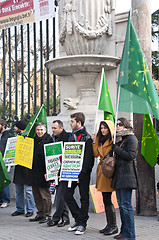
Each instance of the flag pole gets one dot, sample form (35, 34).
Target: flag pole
(35, 120)
(100, 87)
(116, 114)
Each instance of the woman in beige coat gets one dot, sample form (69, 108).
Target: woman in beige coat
(102, 145)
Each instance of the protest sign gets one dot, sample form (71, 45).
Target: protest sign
(9, 154)
(72, 160)
(97, 199)
(19, 12)
(24, 151)
(53, 155)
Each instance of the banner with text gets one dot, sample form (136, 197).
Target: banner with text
(24, 151)
(19, 12)
(72, 160)
(53, 157)
(9, 154)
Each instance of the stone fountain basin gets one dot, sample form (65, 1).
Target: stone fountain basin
(68, 65)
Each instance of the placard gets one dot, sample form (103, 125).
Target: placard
(19, 12)
(97, 199)
(9, 154)
(53, 157)
(24, 151)
(72, 160)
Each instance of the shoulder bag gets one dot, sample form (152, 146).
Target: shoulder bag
(108, 164)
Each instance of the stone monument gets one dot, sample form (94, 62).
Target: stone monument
(87, 44)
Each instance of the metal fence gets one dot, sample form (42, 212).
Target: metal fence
(25, 84)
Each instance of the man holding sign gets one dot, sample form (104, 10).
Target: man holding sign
(79, 134)
(59, 134)
(40, 186)
(22, 180)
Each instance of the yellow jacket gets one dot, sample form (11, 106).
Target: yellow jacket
(103, 183)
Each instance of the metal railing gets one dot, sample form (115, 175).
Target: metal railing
(25, 84)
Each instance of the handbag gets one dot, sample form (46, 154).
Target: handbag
(108, 165)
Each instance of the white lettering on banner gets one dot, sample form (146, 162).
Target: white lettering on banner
(4, 10)
(21, 6)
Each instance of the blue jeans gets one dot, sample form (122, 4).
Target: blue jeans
(5, 195)
(20, 199)
(126, 213)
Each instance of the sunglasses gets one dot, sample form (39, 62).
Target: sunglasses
(120, 124)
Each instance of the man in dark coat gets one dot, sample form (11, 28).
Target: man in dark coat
(5, 134)
(22, 177)
(39, 184)
(80, 214)
(62, 212)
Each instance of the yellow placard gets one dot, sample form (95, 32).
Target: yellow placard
(24, 151)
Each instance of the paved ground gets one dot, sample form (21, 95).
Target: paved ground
(19, 227)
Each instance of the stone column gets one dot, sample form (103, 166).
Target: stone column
(141, 18)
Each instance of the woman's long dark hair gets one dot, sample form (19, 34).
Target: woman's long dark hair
(100, 135)
(125, 122)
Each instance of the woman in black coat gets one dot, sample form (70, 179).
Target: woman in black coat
(125, 176)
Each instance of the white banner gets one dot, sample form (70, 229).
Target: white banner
(19, 12)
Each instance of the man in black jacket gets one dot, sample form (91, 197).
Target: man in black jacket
(62, 212)
(5, 134)
(79, 134)
(22, 177)
(39, 184)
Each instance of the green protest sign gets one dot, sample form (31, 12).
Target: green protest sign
(53, 157)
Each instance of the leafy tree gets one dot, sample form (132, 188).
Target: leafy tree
(155, 64)
(155, 36)
(155, 23)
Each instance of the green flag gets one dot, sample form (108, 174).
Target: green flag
(40, 116)
(137, 90)
(4, 176)
(150, 142)
(105, 103)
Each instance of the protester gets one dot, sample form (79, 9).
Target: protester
(40, 186)
(102, 144)
(80, 214)
(125, 176)
(22, 180)
(62, 212)
(5, 134)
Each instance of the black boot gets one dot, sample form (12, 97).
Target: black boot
(106, 227)
(111, 219)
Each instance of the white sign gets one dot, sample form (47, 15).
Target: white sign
(72, 160)
(44, 9)
(53, 158)
(9, 154)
